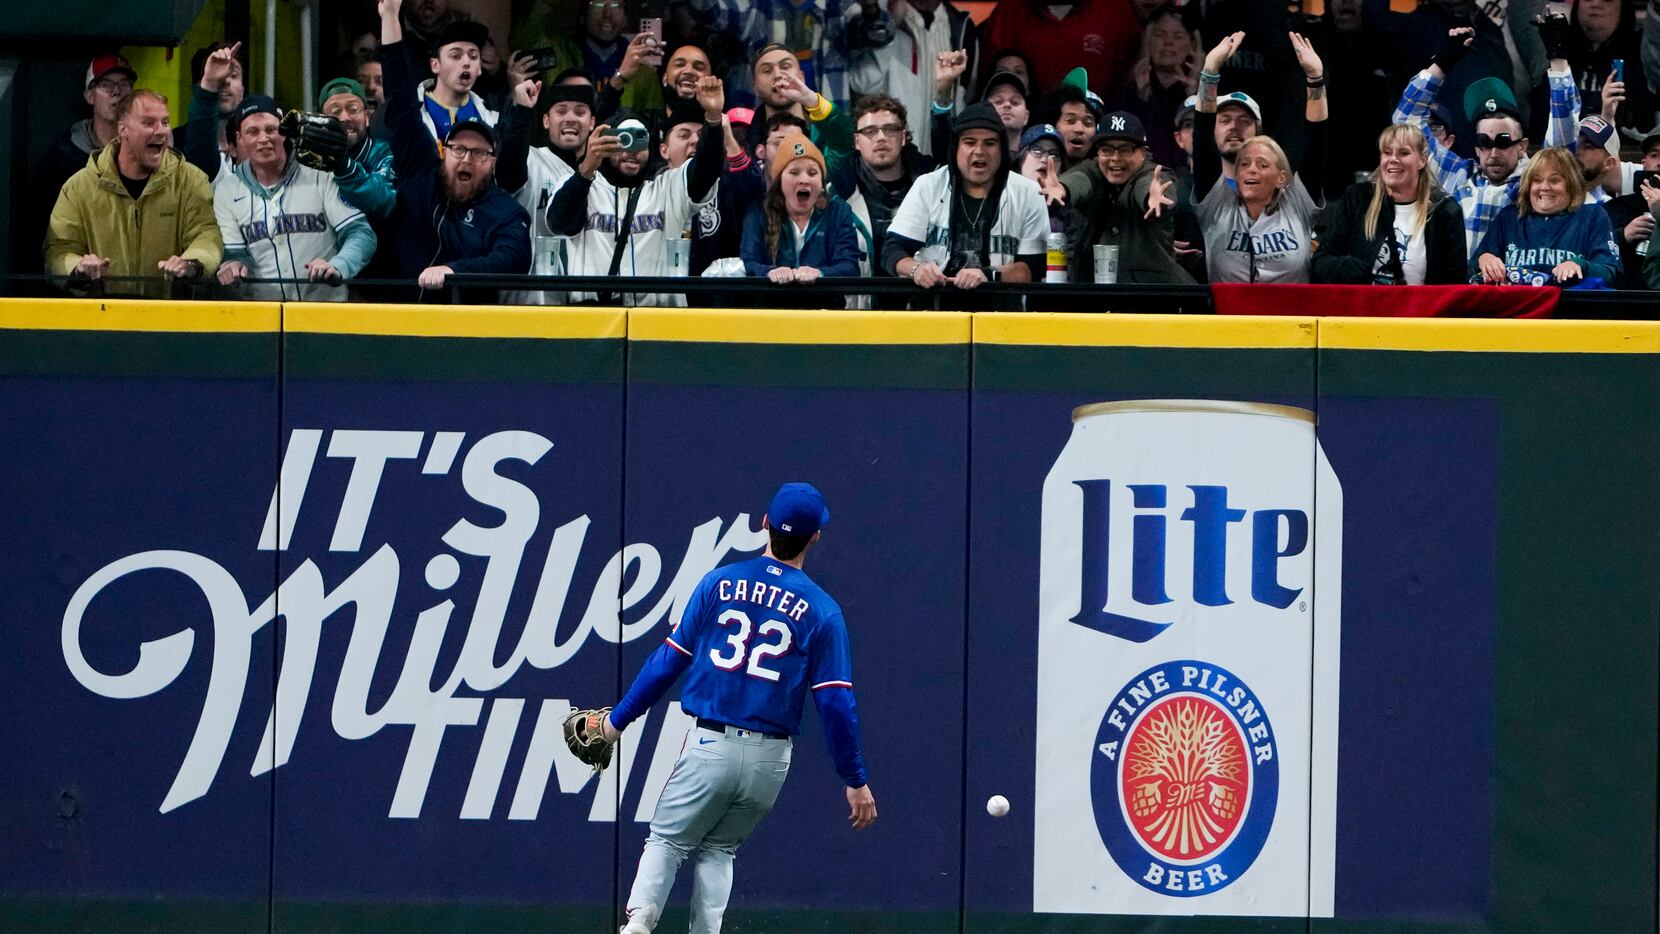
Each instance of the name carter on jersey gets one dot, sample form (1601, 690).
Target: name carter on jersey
(770, 596)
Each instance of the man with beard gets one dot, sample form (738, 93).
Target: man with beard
(1126, 200)
(448, 97)
(361, 165)
(682, 69)
(283, 220)
(533, 173)
(1487, 184)
(621, 208)
(214, 98)
(623, 65)
(136, 208)
(781, 88)
(972, 220)
(818, 36)
(875, 184)
(450, 215)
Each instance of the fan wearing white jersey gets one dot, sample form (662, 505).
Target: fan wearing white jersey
(283, 220)
(618, 205)
(533, 173)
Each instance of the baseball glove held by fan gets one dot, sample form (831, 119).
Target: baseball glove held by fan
(585, 735)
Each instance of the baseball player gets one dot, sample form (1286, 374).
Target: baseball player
(755, 637)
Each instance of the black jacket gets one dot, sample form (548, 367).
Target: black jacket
(1346, 255)
(490, 234)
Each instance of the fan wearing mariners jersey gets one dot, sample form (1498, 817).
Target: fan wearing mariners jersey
(533, 173)
(754, 639)
(282, 220)
(620, 208)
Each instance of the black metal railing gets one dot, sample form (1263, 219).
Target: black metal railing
(739, 292)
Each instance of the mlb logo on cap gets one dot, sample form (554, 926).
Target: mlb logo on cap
(798, 509)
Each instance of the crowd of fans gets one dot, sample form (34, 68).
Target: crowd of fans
(1127, 141)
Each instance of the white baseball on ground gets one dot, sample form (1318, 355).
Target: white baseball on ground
(997, 805)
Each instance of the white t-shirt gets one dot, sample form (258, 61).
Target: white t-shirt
(1277, 244)
(283, 228)
(1022, 225)
(1410, 246)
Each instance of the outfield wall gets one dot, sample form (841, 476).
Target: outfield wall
(1260, 624)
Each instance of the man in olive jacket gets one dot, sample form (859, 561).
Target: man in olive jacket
(136, 209)
(1124, 197)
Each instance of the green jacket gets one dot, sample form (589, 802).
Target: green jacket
(1114, 215)
(642, 93)
(173, 216)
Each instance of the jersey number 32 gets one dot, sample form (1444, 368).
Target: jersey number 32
(738, 644)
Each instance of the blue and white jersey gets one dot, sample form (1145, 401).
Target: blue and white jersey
(759, 635)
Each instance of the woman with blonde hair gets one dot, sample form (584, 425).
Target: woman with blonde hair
(1258, 223)
(1548, 239)
(1396, 228)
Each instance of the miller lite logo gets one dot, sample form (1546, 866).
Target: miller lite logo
(1275, 534)
(1187, 659)
(1186, 778)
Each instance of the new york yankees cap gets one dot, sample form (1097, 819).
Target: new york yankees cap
(1122, 125)
(798, 509)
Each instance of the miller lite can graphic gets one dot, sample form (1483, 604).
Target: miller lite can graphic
(1188, 647)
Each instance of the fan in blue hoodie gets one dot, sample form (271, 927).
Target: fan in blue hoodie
(798, 233)
(1553, 236)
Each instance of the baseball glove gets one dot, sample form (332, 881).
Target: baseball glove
(585, 734)
(319, 140)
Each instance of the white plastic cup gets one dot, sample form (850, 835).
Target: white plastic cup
(1106, 264)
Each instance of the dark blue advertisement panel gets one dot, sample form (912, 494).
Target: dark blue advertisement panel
(138, 467)
(722, 409)
(449, 542)
(1144, 561)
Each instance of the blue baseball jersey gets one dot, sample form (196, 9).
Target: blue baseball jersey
(759, 634)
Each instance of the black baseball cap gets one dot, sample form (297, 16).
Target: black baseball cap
(1005, 77)
(1121, 124)
(475, 126)
(252, 104)
(683, 111)
(464, 30)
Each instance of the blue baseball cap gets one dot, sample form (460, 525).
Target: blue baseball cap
(798, 509)
(1041, 131)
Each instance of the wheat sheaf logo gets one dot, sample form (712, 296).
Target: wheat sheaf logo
(1185, 778)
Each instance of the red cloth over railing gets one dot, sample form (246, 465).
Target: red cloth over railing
(1376, 301)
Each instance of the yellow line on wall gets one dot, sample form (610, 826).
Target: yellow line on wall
(77, 314)
(761, 326)
(1477, 335)
(1116, 330)
(455, 321)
